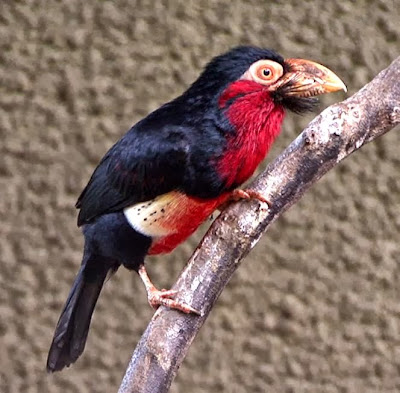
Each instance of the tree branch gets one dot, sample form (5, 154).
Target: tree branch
(329, 138)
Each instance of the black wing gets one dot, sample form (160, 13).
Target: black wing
(141, 165)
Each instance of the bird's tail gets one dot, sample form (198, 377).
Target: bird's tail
(73, 326)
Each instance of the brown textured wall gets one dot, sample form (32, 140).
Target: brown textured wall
(316, 308)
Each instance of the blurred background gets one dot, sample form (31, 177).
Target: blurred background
(316, 305)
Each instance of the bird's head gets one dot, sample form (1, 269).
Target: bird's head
(290, 83)
(245, 92)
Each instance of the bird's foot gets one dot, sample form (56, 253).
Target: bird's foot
(239, 194)
(163, 297)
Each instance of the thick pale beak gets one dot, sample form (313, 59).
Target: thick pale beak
(305, 78)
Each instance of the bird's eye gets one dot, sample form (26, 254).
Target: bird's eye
(265, 72)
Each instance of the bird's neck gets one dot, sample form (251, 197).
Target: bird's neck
(256, 120)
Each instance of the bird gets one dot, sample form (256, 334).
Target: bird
(174, 168)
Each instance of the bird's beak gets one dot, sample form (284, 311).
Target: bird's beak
(305, 78)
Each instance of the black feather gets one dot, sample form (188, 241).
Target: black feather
(109, 242)
(177, 147)
(173, 148)
(297, 105)
(73, 326)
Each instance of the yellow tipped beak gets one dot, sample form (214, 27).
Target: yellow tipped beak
(306, 78)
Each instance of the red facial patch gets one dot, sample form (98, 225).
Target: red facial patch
(257, 121)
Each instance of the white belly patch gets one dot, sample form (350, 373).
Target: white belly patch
(150, 217)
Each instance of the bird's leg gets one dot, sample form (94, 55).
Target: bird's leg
(162, 297)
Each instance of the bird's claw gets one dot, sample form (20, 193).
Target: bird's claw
(163, 297)
(239, 194)
(159, 298)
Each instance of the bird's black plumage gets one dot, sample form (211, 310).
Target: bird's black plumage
(135, 169)
(178, 147)
(108, 244)
(175, 147)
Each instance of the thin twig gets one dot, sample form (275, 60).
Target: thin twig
(333, 135)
